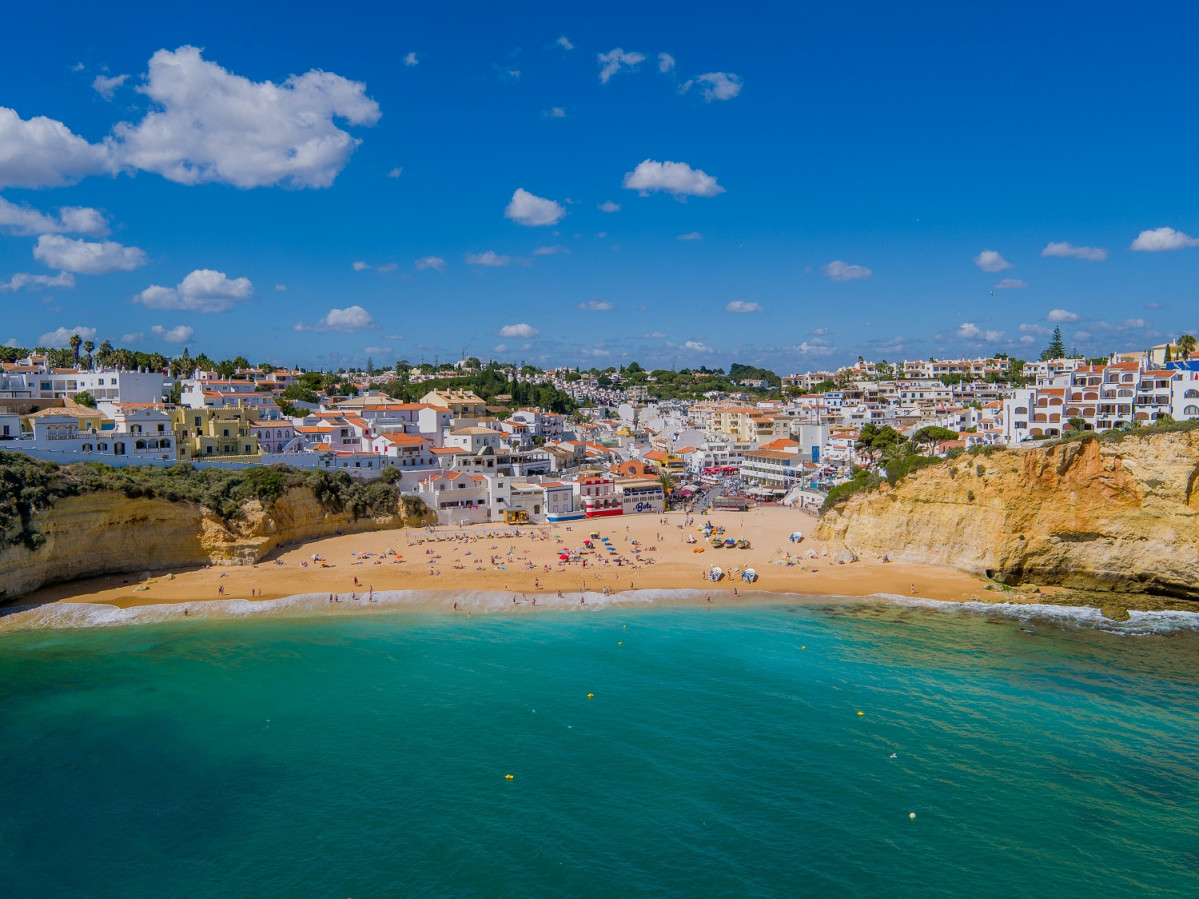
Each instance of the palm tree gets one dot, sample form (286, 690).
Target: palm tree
(666, 479)
(88, 346)
(1186, 345)
(75, 343)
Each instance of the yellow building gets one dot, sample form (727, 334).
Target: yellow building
(461, 403)
(212, 433)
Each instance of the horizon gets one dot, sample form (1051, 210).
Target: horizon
(679, 186)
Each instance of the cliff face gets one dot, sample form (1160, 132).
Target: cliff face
(1095, 516)
(107, 533)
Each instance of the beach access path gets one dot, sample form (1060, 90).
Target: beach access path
(526, 560)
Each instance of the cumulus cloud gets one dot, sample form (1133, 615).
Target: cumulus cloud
(1034, 329)
(691, 235)
(106, 87)
(518, 330)
(1010, 284)
(281, 288)
(1066, 250)
(60, 337)
(86, 257)
(132, 337)
(816, 347)
(991, 261)
(698, 346)
(676, 178)
(555, 112)
(204, 290)
(719, 85)
(596, 305)
(210, 125)
(551, 251)
(396, 172)
(971, 331)
(1159, 239)
(614, 60)
(1061, 315)
(360, 266)
(527, 209)
(434, 262)
(490, 258)
(411, 60)
(177, 334)
(843, 271)
(609, 206)
(564, 43)
(1132, 323)
(742, 306)
(655, 335)
(25, 220)
(22, 280)
(352, 318)
(665, 63)
(42, 152)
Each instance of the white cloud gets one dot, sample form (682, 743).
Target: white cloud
(971, 331)
(1061, 315)
(676, 178)
(106, 87)
(1034, 330)
(500, 348)
(210, 125)
(720, 85)
(556, 112)
(281, 288)
(62, 336)
(742, 306)
(396, 172)
(564, 43)
(352, 318)
(665, 62)
(22, 279)
(815, 347)
(691, 235)
(596, 305)
(991, 261)
(177, 334)
(1160, 239)
(609, 206)
(698, 346)
(360, 266)
(551, 251)
(1010, 284)
(204, 290)
(42, 152)
(411, 60)
(843, 271)
(85, 257)
(434, 262)
(528, 209)
(488, 258)
(656, 335)
(612, 62)
(25, 220)
(132, 337)
(1066, 250)
(1134, 323)
(518, 330)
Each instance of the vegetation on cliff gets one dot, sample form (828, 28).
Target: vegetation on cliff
(28, 486)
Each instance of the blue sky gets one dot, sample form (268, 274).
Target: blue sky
(792, 187)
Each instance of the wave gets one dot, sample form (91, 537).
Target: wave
(1139, 624)
(88, 615)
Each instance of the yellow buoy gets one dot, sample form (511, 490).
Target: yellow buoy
(912, 815)
(509, 777)
(591, 696)
(861, 713)
(620, 642)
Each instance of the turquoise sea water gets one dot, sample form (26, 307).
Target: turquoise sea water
(722, 754)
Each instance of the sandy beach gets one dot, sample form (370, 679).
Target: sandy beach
(648, 552)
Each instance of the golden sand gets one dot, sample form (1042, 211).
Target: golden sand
(525, 560)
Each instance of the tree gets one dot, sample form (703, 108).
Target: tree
(1186, 346)
(83, 398)
(75, 342)
(666, 479)
(1056, 348)
(931, 435)
(88, 346)
(1078, 424)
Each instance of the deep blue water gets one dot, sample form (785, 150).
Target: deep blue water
(722, 754)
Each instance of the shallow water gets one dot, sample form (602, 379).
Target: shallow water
(722, 754)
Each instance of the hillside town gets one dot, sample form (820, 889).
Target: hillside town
(620, 442)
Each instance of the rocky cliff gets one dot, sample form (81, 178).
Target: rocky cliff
(1094, 515)
(107, 533)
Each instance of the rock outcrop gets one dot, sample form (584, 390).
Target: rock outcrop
(1093, 515)
(107, 533)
